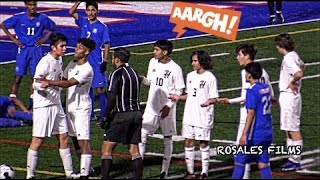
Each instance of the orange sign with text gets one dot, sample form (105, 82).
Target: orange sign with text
(219, 22)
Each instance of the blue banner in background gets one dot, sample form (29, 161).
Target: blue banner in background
(137, 23)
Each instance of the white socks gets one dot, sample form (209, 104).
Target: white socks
(142, 145)
(85, 163)
(296, 158)
(66, 160)
(32, 160)
(205, 157)
(189, 157)
(167, 153)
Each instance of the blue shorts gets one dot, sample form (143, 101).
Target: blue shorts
(259, 158)
(99, 79)
(28, 57)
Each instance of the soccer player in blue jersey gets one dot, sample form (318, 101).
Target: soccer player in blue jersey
(32, 29)
(10, 115)
(94, 29)
(258, 128)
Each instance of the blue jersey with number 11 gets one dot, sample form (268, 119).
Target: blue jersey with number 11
(29, 31)
(258, 98)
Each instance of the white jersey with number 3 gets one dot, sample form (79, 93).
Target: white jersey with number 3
(200, 87)
(164, 79)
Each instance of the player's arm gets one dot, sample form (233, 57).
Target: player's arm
(19, 103)
(176, 98)
(247, 126)
(104, 63)
(12, 37)
(60, 83)
(73, 9)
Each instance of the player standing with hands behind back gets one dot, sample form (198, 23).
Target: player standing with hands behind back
(94, 29)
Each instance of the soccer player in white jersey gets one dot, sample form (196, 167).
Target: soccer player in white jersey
(245, 55)
(200, 94)
(48, 116)
(77, 78)
(290, 98)
(164, 77)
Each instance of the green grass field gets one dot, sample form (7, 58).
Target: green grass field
(14, 141)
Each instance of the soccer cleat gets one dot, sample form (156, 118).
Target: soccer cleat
(190, 176)
(291, 166)
(31, 177)
(272, 20)
(73, 176)
(280, 17)
(203, 176)
(91, 172)
(163, 175)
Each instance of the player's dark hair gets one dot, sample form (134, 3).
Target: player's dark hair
(28, 1)
(254, 69)
(92, 3)
(89, 43)
(285, 41)
(55, 37)
(204, 59)
(164, 45)
(247, 49)
(122, 53)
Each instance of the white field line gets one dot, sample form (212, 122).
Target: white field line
(220, 54)
(264, 59)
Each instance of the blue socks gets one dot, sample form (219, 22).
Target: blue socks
(22, 115)
(266, 173)
(91, 93)
(238, 171)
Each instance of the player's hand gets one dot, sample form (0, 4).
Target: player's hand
(103, 66)
(243, 140)
(293, 87)
(174, 97)
(223, 100)
(206, 104)
(39, 43)
(165, 111)
(18, 43)
(103, 123)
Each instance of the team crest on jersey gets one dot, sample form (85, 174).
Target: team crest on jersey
(202, 84)
(77, 73)
(37, 24)
(154, 70)
(95, 30)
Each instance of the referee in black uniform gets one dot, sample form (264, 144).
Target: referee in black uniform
(123, 126)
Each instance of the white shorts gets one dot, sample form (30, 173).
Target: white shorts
(196, 133)
(290, 111)
(79, 124)
(151, 123)
(48, 121)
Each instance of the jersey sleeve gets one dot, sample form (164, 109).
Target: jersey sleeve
(11, 21)
(213, 92)
(267, 81)
(50, 24)
(251, 99)
(114, 82)
(179, 81)
(79, 21)
(292, 65)
(105, 36)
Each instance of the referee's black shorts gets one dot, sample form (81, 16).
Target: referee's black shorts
(125, 128)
